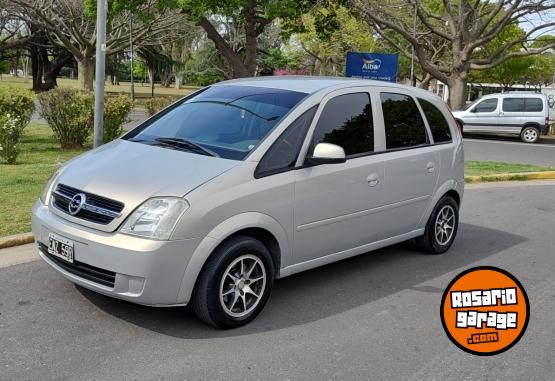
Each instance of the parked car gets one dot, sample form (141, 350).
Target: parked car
(525, 114)
(212, 199)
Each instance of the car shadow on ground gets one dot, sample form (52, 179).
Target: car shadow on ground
(328, 290)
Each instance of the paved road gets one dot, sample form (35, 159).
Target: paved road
(509, 150)
(371, 317)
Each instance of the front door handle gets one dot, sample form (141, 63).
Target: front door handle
(430, 166)
(373, 179)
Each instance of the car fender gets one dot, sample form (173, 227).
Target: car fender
(221, 232)
(448, 185)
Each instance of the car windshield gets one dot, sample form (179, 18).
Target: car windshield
(224, 121)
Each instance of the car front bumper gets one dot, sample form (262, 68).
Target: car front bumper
(146, 271)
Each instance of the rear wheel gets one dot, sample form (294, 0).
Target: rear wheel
(441, 228)
(234, 284)
(530, 134)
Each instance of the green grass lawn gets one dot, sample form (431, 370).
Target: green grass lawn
(481, 168)
(142, 91)
(22, 183)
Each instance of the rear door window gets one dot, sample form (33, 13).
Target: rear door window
(404, 126)
(513, 104)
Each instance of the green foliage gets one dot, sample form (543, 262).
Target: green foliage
(16, 107)
(116, 110)
(205, 66)
(331, 32)
(156, 104)
(70, 114)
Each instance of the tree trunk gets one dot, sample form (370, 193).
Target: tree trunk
(85, 73)
(251, 38)
(236, 64)
(178, 81)
(151, 79)
(457, 86)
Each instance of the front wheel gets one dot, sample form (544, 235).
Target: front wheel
(441, 228)
(530, 134)
(234, 284)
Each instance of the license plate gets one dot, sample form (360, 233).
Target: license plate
(60, 247)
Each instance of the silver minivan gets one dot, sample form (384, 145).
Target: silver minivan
(246, 181)
(525, 114)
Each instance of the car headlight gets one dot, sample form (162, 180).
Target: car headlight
(45, 195)
(155, 218)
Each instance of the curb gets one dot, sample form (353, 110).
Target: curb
(16, 240)
(547, 175)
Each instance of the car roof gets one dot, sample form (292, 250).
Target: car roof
(516, 93)
(313, 84)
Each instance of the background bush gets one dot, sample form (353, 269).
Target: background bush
(16, 107)
(153, 105)
(116, 110)
(70, 114)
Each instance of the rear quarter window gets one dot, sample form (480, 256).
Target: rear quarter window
(437, 122)
(533, 104)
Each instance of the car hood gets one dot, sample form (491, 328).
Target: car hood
(132, 172)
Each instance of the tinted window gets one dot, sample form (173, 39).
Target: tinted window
(533, 104)
(404, 126)
(488, 105)
(226, 120)
(513, 104)
(436, 120)
(347, 121)
(283, 154)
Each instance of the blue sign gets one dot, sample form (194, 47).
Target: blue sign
(382, 67)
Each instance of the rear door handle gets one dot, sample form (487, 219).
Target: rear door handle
(430, 166)
(373, 179)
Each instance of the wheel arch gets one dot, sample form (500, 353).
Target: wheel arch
(256, 225)
(452, 188)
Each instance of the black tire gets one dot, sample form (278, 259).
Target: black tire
(206, 295)
(530, 134)
(429, 242)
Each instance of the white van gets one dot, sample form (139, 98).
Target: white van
(521, 113)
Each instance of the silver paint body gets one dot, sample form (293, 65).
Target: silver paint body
(317, 214)
(500, 121)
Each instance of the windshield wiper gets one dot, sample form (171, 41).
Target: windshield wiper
(186, 144)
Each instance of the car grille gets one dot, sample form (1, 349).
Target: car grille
(82, 270)
(96, 209)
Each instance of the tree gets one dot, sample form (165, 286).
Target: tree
(327, 34)
(466, 28)
(253, 17)
(71, 25)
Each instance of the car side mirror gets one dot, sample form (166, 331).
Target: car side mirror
(326, 153)
(473, 110)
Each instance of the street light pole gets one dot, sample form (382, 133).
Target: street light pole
(131, 47)
(101, 6)
(412, 76)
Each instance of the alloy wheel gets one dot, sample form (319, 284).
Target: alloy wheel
(242, 285)
(445, 225)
